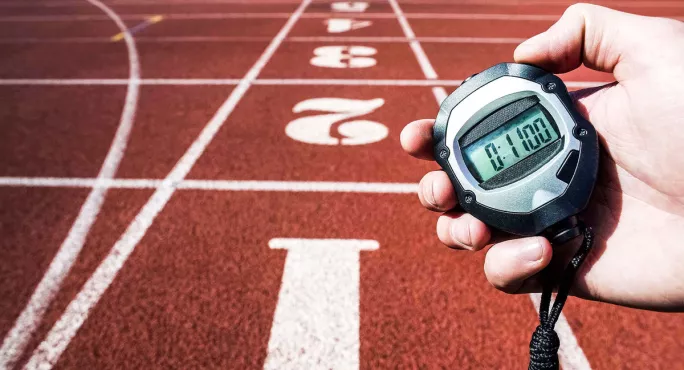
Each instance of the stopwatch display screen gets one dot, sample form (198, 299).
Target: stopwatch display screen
(517, 139)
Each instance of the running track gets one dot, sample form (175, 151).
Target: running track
(221, 186)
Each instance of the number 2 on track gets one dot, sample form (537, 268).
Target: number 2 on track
(317, 129)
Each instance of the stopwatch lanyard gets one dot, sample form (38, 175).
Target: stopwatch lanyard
(545, 343)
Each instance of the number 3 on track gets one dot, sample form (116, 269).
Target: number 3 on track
(317, 129)
(344, 57)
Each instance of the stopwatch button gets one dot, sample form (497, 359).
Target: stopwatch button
(567, 170)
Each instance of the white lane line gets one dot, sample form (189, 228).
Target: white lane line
(423, 60)
(570, 353)
(137, 16)
(17, 338)
(27, 322)
(485, 16)
(316, 322)
(57, 340)
(193, 39)
(115, 81)
(191, 16)
(341, 82)
(562, 3)
(440, 94)
(268, 82)
(472, 40)
(452, 40)
(215, 185)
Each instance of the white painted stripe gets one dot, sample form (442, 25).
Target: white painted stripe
(192, 16)
(440, 94)
(485, 16)
(18, 337)
(57, 340)
(613, 3)
(302, 186)
(316, 322)
(341, 82)
(423, 60)
(75, 182)
(137, 16)
(214, 185)
(570, 354)
(472, 40)
(193, 39)
(62, 81)
(116, 81)
(285, 81)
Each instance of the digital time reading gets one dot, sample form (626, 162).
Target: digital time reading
(517, 139)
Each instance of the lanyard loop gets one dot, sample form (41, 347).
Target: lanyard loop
(545, 343)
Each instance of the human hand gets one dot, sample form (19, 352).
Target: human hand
(637, 208)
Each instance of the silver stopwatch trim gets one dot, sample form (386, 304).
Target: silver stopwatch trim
(516, 197)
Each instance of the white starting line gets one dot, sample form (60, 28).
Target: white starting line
(217, 185)
(205, 16)
(310, 39)
(265, 82)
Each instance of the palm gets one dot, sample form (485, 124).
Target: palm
(636, 208)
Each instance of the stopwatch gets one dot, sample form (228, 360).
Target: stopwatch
(519, 155)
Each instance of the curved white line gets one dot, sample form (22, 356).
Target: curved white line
(16, 340)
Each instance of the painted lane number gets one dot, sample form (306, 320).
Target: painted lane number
(317, 129)
(316, 321)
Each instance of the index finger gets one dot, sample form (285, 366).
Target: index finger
(416, 138)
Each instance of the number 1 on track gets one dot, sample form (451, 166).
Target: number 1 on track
(316, 321)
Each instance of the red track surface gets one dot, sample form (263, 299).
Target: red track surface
(202, 287)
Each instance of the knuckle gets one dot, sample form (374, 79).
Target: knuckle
(580, 8)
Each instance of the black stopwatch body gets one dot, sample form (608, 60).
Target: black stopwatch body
(519, 155)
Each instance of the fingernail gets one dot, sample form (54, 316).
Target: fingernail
(532, 252)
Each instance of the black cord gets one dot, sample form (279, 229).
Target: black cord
(545, 343)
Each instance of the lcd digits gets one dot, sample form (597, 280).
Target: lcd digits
(509, 144)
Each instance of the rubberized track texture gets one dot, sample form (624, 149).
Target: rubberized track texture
(219, 184)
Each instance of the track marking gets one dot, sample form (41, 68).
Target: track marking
(139, 27)
(316, 322)
(29, 319)
(571, 352)
(317, 39)
(349, 6)
(433, 16)
(266, 82)
(336, 112)
(338, 56)
(217, 185)
(341, 25)
(418, 51)
(57, 340)
(440, 94)
(624, 3)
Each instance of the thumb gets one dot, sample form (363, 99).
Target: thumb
(603, 39)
